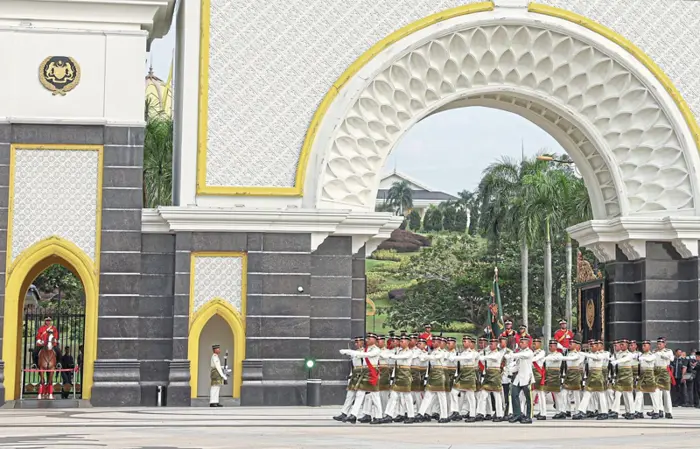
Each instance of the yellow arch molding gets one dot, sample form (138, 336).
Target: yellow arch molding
(25, 268)
(631, 49)
(217, 306)
(298, 189)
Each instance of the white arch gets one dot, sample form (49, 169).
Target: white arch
(627, 135)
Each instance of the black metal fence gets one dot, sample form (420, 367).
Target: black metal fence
(71, 336)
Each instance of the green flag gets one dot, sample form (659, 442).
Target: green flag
(495, 308)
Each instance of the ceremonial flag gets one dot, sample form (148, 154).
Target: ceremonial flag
(495, 308)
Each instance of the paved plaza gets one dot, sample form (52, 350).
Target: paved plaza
(268, 428)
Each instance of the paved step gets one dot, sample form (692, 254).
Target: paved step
(47, 403)
(226, 402)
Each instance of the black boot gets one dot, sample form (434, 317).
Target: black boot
(639, 415)
(365, 419)
(410, 421)
(470, 419)
(578, 416)
(541, 418)
(661, 414)
(559, 416)
(613, 415)
(498, 419)
(443, 420)
(655, 416)
(479, 417)
(455, 417)
(514, 419)
(212, 405)
(352, 419)
(629, 415)
(435, 416)
(591, 414)
(668, 416)
(525, 420)
(568, 414)
(340, 417)
(487, 418)
(400, 418)
(376, 421)
(602, 417)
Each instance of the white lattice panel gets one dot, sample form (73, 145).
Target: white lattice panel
(218, 277)
(271, 63)
(666, 30)
(55, 194)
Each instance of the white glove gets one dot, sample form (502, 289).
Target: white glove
(40, 342)
(344, 351)
(225, 377)
(559, 346)
(228, 371)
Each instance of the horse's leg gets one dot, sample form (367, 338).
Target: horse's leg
(41, 385)
(50, 376)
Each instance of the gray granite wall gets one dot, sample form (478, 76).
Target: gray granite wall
(156, 318)
(117, 369)
(655, 296)
(332, 307)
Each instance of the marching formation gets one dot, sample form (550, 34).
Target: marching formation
(417, 378)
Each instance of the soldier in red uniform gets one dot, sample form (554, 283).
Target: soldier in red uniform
(510, 335)
(522, 333)
(427, 335)
(563, 336)
(42, 337)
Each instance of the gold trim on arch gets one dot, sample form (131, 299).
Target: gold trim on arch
(218, 306)
(300, 177)
(28, 265)
(19, 273)
(632, 49)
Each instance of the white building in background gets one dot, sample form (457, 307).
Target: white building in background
(423, 196)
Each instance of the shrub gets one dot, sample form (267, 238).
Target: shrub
(386, 254)
(374, 282)
(414, 220)
(399, 247)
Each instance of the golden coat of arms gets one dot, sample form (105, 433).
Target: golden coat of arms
(59, 74)
(590, 314)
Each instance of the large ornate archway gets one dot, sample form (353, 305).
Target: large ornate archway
(615, 113)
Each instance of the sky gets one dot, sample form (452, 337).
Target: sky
(447, 151)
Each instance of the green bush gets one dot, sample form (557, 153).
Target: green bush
(414, 220)
(386, 254)
(374, 282)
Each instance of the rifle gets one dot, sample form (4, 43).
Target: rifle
(226, 368)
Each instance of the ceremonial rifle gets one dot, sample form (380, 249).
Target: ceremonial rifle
(226, 368)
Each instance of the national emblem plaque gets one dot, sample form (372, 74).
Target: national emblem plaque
(59, 74)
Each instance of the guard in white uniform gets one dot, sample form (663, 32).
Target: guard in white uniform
(638, 395)
(437, 383)
(492, 378)
(353, 382)
(401, 389)
(647, 380)
(624, 384)
(552, 384)
(465, 385)
(369, 381)
(664, 357)
(573, 379)
(217, 375)
(595, 383)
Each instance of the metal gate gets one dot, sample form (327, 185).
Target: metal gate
(590, 286)
(71, 335)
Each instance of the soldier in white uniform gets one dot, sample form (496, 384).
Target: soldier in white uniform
(540, 396)
(483, 406)
(571, 388)
(217, 375)
(369, 381)
(437, 385)
(647, 380)
(638, 395)
(521, 382)
(492, 378)
(664, 357)
(595, 384)
(465, 384)
(624, 385)
(508, 371)
(451, 373)
(353, 381)
(401, 389)
(552, 383)
(418, 370)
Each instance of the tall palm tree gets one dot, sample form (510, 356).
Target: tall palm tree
(469, 201)
(158, 162)
(400, 196)
(503, 209)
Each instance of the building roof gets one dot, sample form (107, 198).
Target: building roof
(421, 193)
(159, 95)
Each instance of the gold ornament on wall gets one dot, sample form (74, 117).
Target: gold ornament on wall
(59, 74)
(590, 314)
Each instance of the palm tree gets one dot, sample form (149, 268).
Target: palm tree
(469, 201)
(400, 196)
(158, 162)
(503, 209)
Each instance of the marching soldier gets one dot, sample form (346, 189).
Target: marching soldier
(595, 383)
(451, 371)
(436, 387)
(353, 382)
(492, 378)
(647, 380)
(662, 372)
(386, 367)
(507, 372)
(402, 384)
(369, 381)
(624, 382)
(218, 376)
(552, 366)
(465, 384)
(419, 369)
(521, 382)
(638, 396)
(483, 406)
(538, 374)
(573, 379)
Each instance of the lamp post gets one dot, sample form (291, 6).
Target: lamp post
(569, 249)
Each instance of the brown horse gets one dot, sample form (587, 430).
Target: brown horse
(47, 363)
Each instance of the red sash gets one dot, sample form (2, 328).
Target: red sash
(373, 373)
(481, 366)
(542, 371)
(670, 373)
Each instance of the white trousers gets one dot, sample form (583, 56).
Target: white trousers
(638, 402)
(629, 402)
(428, 399)
(541, 402)
(600, 396)
(400, 401)
(417, 399)
(609, 397)
(485, 402)
(467, 398)
(375, 410)
(569, 396)
(214, 394)
(663, 398)
(349, 399)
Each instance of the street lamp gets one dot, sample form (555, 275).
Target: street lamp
(569, 251)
